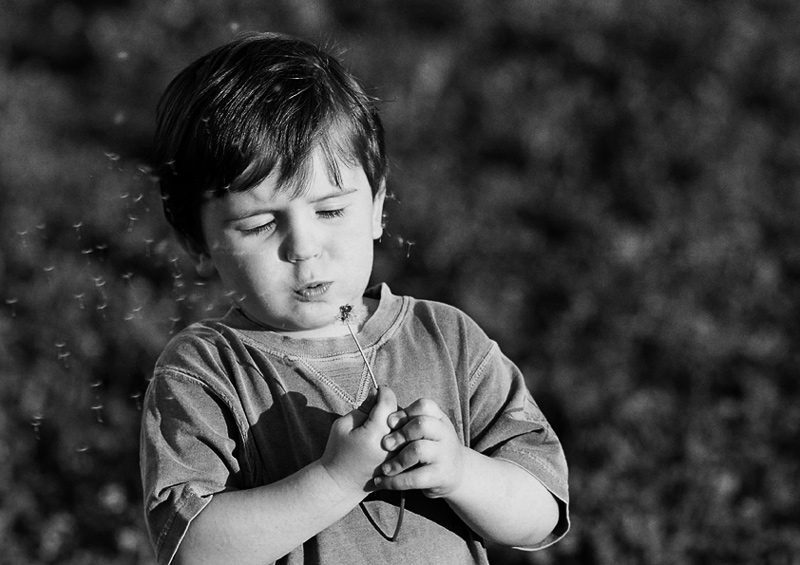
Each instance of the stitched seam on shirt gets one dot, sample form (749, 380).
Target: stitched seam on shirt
(528, 457)
(473, 379)
(371, 349)
(280, 353)
(394, 326)
(171, 371)
(381, 340)
(168, 526)
(332, 384)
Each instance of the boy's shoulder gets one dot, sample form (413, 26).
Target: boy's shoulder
(199, 343)
(440, 317)
(415, 305)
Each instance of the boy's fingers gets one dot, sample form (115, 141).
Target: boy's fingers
(415, 429)
(352, 419)
(369, 401)
(413, 454)
(421, 407)
(385, 404)
(425, 407)
(418, 478)
(397, 419)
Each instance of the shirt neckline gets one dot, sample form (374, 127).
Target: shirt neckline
(389, 308)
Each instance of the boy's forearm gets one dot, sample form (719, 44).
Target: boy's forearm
(503, 503)
(260, 525)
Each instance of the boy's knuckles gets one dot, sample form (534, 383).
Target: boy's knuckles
(403, 481)
(415, 428)
(429, 405)
(423, 406)
(422, 427)
(412, 454)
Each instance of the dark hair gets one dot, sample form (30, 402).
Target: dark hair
(262, 101)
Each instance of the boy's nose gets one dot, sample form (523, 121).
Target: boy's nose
(301, 244)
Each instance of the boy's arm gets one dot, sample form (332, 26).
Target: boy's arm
(262, 524)
(497, 499)
(503, 502)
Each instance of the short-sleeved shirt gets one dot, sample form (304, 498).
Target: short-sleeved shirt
(232, 406)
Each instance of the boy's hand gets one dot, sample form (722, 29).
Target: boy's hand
(354, 453)
(429, 455)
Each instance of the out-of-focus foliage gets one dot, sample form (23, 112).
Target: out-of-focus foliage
(610, 188)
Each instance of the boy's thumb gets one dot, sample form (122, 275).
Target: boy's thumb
(369, 402)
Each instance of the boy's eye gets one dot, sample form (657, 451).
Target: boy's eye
(336, 213)
(263, 228)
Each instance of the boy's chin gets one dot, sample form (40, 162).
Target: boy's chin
(309, 321)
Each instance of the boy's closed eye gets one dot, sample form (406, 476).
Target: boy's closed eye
(258, 226)
(271, 224)
(330, 214)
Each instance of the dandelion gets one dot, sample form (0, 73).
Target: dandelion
(349, 314)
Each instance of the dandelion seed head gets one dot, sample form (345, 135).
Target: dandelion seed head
(350, 314)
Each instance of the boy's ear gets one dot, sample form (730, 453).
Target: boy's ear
(377, 212)
(203, 264)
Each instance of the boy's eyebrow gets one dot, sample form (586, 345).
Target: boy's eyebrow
(344, 191)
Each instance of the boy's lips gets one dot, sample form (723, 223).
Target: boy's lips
(313, 289)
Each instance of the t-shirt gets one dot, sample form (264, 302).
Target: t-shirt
(233, 406)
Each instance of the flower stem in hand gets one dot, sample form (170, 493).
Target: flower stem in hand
(346, 315)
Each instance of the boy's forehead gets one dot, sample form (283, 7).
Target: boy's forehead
(316, 182)
(322, 162)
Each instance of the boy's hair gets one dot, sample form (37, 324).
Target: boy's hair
(261, 102)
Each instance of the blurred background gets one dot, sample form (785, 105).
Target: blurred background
(609, 188)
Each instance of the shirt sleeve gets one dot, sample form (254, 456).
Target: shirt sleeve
(187, 454)
(507, 424)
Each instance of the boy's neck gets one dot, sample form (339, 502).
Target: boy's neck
(337, 328)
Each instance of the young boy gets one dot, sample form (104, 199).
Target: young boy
(263, 438)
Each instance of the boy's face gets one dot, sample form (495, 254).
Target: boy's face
(292, 262)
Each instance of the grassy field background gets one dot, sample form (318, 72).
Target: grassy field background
(610, 188)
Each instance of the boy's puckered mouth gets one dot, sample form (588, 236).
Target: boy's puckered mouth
(313, 289)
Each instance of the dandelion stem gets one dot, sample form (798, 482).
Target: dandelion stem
(363, 356)
(346, 313)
